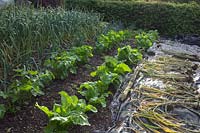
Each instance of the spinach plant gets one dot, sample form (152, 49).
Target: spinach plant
(82, 53)
(145, 40)
(111, 67)
(71, 111)
(112, 38)
(95, 92)
(116, 65)
(110, 72)
(128, 55)
(61, 64)
(28, 82)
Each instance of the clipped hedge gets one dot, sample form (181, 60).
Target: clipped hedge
(168, 18)
(175, 1)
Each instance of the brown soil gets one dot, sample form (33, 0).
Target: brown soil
(29, 119)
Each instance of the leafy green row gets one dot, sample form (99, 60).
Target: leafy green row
(106, 42)
(143, 40)
(29, 83)
(111, 72)
(72, 110)
(62, 63)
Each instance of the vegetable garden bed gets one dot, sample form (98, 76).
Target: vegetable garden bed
(90, 96)
(30, 119)
(65, 81)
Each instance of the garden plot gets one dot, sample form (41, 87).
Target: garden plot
(162, 95)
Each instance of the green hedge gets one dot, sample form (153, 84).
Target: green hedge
(174, 1)
(168, 18)
(179, 1)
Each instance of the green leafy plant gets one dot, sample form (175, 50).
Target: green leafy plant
(122, 69)
(61, 64)
(116, 66)
(128, 55)
(71, 111)
(28, 82)
(109, 73)
(82, 53)
(145, 40)
(106, 42)
(95, 92)
(111, 65)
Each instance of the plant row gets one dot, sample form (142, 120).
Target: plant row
(106, 42)
(28, 33)
(71, 110)
(30, 83)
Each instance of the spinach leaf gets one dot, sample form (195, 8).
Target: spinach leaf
(71, 111)
(128, 55)
(95, 92)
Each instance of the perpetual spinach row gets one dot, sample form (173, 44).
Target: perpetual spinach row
(30, 83)
(111, 72)
(61, 64)
(72, 110)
